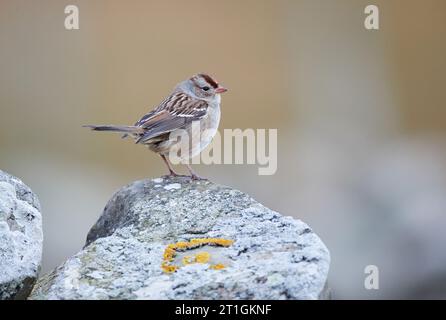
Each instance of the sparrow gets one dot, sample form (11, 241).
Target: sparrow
(195, 99)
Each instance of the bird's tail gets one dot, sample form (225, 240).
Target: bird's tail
(126, 129)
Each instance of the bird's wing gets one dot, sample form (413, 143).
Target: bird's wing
(176, 112)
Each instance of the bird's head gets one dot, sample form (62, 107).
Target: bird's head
(204, 86)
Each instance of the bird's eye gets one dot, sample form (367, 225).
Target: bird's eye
(205, 88)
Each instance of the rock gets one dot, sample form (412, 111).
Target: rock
(20, 238)
(213, 242)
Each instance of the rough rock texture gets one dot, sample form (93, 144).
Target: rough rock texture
(272, 257)
(20, 238)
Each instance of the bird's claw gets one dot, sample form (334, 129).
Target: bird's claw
(175, 175)
(197, 178)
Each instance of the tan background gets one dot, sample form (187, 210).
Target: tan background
(361, 117)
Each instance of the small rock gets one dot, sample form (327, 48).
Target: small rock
(21, 238)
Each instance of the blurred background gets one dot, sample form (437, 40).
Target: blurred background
(360, 114)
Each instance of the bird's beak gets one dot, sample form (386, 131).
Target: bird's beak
(221, 90)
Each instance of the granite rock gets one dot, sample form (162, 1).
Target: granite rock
(266, 256)
(21, 238)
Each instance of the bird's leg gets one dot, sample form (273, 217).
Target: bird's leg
(193, 175)
(171, 172)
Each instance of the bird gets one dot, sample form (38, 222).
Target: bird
(194, 100)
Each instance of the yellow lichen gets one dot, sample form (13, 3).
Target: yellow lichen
(169, 268)
(212, 241)
(188, 260)
(181, 245)
(168, 254)
(218, 266)
(202, 257)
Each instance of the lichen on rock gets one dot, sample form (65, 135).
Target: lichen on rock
(262, 254)
(201, 257)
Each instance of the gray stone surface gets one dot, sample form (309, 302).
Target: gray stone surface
(272, 256)
(20, 238)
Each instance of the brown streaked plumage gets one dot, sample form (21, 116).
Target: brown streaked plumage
(195, 99)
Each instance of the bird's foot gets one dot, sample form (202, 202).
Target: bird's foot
(197, 177)
(173, 174)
